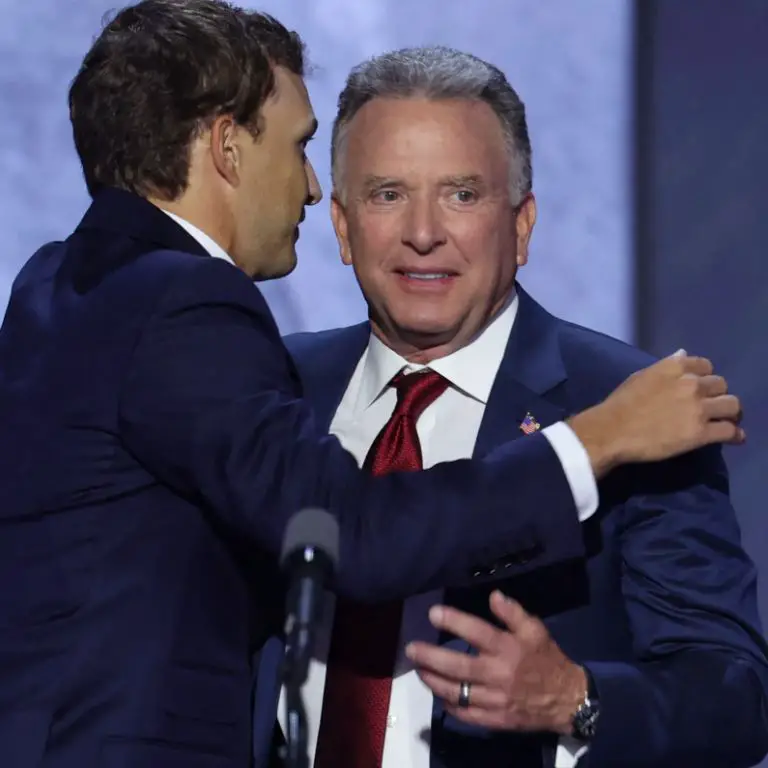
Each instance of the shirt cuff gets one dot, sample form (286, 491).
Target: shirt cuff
(576, 466)
(569, 752)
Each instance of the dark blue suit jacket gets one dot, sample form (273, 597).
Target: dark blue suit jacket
(662, 609)
(153, 446)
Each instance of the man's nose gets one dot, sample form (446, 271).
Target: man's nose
(423, 229)
(315, 194)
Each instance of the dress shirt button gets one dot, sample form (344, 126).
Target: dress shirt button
(391, 721)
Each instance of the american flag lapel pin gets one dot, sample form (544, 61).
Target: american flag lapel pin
(529, 425)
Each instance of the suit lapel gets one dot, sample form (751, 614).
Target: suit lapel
(326, 367)
(509, 404)
(530, 369)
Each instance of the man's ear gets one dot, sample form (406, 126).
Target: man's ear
(340, 227)
(224, 136)
(525, 220)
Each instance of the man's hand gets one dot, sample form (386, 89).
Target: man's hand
(520, 680)
(669, 408)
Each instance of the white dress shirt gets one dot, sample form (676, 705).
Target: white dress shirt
(447, 431)
(210, 245)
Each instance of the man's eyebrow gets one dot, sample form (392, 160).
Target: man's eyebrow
(372, 181)
(464, 180)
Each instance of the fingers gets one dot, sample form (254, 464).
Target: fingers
(680, 364)
(478, 633)
(722, 411)
(480, 696)
(723, 432)
(450, 665)
(488, 705)
(509, 611)
(698, 366)
(713, 386)
(674, 406)
(723, 414)
(723, 407)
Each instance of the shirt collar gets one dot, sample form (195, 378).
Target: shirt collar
(471, 369)
(210, 245)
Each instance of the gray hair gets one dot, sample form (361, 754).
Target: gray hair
(436, 73)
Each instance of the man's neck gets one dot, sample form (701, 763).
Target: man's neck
(207, 242)
(200, 216)
(421, 350)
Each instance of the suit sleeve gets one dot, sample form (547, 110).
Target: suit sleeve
(697, 692)
(211, 406)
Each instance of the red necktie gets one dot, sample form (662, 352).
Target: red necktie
(365, 638)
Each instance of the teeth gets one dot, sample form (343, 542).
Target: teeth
(426, 276)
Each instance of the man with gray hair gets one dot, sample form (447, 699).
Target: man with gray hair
(646, 651)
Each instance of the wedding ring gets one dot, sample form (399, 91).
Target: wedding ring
(464, 691)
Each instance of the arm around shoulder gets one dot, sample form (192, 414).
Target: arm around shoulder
(211, 406)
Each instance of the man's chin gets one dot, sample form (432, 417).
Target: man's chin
(280, 266)
(427, 326)
(425, 334)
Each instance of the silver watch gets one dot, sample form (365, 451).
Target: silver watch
(584, 722)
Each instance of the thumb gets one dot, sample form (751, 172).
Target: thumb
(509, 611)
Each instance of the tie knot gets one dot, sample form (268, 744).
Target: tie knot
(416, 391)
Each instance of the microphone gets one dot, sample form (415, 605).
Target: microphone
(309, 558)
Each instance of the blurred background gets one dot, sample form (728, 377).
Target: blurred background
(649, 123)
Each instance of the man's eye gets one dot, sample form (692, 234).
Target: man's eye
(386, 195)
(465, 195)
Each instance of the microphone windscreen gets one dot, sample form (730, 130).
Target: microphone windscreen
(315, 528)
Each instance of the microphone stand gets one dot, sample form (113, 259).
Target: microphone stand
(295, 673)
(310, 556)
(296, 753)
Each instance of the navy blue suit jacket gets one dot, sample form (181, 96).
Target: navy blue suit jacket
(662, 608)
(154, 445)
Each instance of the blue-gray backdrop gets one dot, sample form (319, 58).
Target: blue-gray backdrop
(702, 217)
(571, 61)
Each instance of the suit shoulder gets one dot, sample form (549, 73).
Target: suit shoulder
(189, 279)
(602, 358)
(193, 271)
(304, 341)
(597, 364)
(309, 344)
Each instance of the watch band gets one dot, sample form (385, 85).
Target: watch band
(584, 722)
